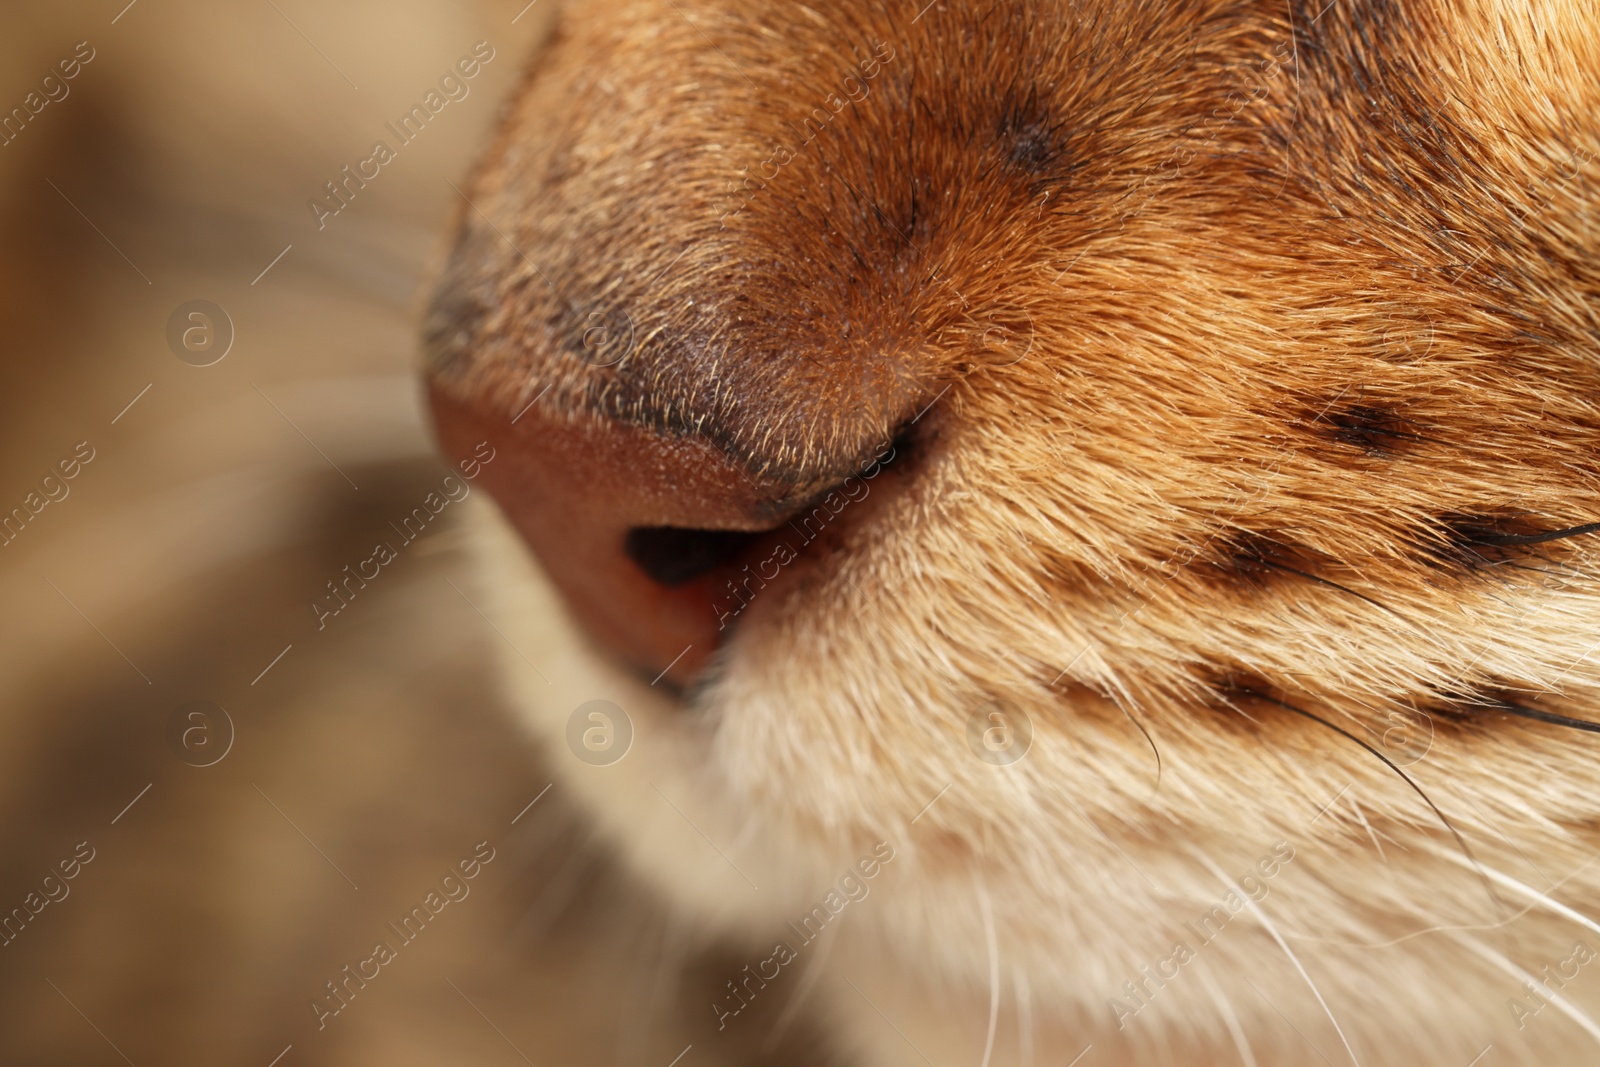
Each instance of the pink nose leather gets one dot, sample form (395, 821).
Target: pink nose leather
(576, 490)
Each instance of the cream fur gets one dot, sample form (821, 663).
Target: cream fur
(1074, 539)
(1376, 905)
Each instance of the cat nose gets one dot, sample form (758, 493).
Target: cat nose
(639, 530)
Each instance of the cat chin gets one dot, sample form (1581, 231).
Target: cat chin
(662, 805)
(1073, 929)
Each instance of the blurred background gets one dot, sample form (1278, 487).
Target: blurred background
(260, 798)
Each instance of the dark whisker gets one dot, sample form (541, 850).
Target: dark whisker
(1148, 738)
(1460, 841)
(1535, 539)
(1544, 716)
(1332, 585)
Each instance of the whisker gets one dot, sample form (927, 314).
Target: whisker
(1542, 899)
(1565, 1006)
(1260, 915)
(1448, 825)
(1333, 585)
(1535, 539)
(1019, 979)
(1152, 741)
(992, 943)
(1544, 716)
(814, 967)
(1230, 1018)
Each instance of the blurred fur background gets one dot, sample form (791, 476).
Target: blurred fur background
(374, 754)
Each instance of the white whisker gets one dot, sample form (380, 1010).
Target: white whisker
(993, 944)
(808, 982)
(1361, 815)
(1287, 951)
(1540, 900)
(1019, 978)
(1230, 1018)
(1544, 899)
(1566, 1006)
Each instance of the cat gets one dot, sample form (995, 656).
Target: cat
(163, 898)
(1131, 464)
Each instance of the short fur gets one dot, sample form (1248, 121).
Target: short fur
(1243, 360)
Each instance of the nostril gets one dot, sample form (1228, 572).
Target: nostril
(657, 545)
(673, 555)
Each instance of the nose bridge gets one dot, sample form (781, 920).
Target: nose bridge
(730, 364)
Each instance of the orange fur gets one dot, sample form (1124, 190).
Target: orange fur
(1252, 347)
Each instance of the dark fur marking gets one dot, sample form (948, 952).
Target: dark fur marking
(1250, 554)
(1377, 430)
(1031, 141)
